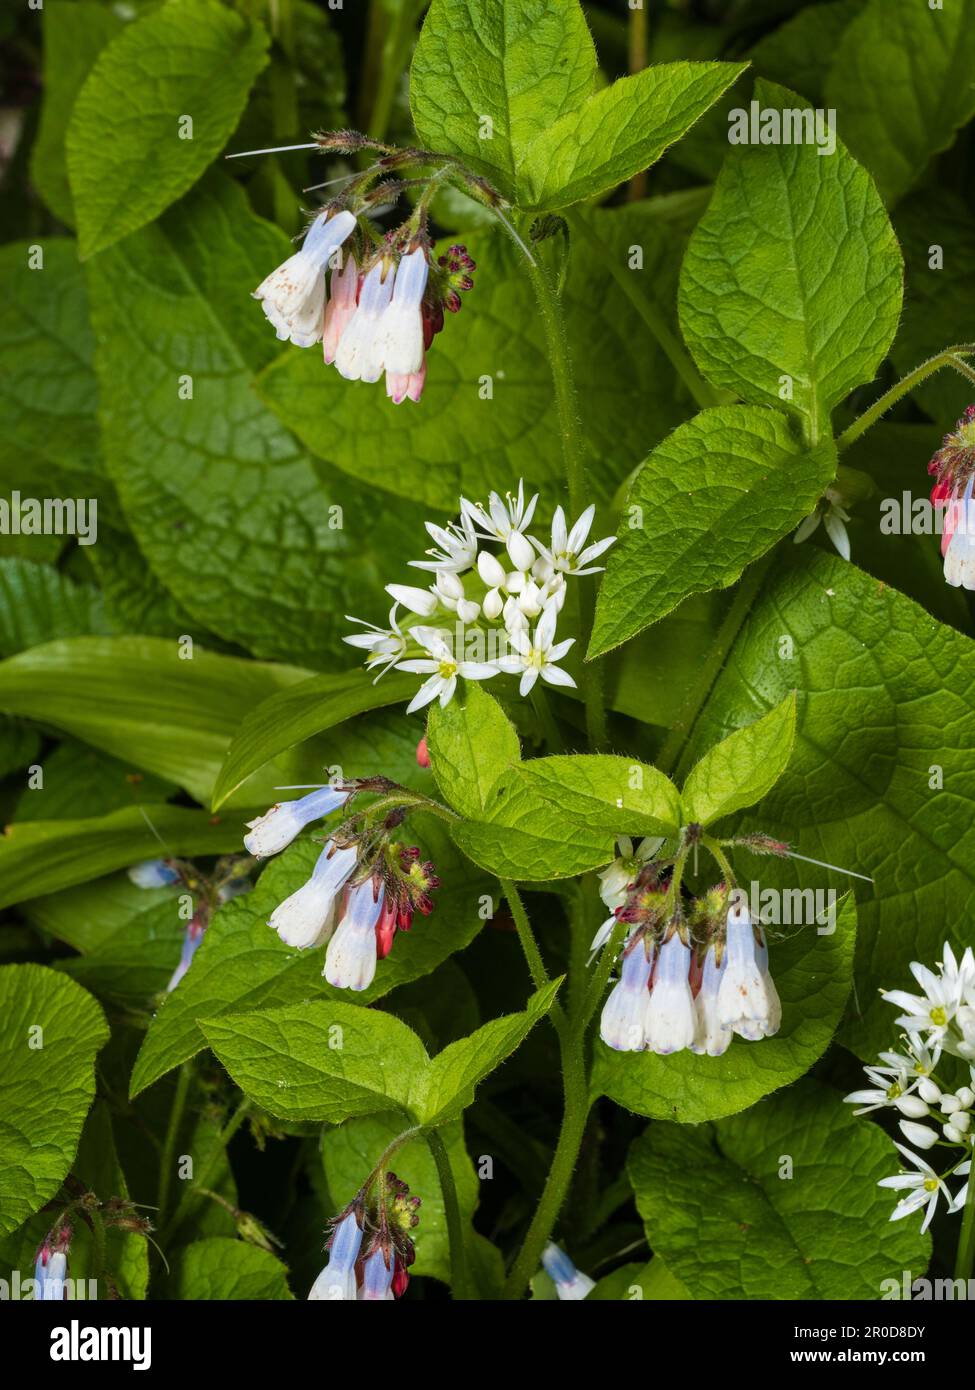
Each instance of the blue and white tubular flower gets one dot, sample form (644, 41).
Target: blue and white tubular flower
(377, 1276)
(746, 1004)
(623, 1024)
(671, 1018)
(337, 1280)
(293, 296)
(570, 1285)
(350, 960)
(710, 1038)
(50, 1272)
(154, 873)
(274, 831)
(305, 918)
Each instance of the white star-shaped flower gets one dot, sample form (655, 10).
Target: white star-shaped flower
(569, 553)
(923, 1188)
(537, 656)
(443, 669)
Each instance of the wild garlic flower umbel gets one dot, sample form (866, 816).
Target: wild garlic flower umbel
(953, 468)
(933, 1094)
(364, 888)
(493, 605)
(370, 1248)
(691, 979)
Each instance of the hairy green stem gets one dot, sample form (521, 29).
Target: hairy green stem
(190, 1198)
(951, 357)
(655, 319)
(560, 1174)
(176, 1111)
(570, 430)
(455, 1230)
(529, 946)
(965, 1256)
(745, 594)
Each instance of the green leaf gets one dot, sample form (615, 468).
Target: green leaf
(350, 1151)
(885, 717)
(527, 837)
(634, 1281)
(520, 66)
(51, 1031)
(96, 1166)
(743, 767)
(812, 974)
(80, 782)
(134, 100)
(938, 303)
(50, 442)
(793, 271)
(137, 699)
(901, 80)
(90, 914)
(319, 1060)
(222, 1268)
(74, 34)
(715, 495)
(606, 792)
(471, 743)
(619, 131)
(258, 543)
(242, 964)
(446, 1087)
(294, 714)
(463, 439)
(38, 857)
(39, 604)
(134, 963)
(730, 1225)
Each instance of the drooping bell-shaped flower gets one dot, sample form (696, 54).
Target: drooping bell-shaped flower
(305, 918)
(154, 873)
(623, 1024)
(360, 355)
(671, 1018)
(270, 833)
(377, 1276)
(743, 998)
(341, 307)
(293, 295)
(403, 320)
(570, 1284)
(710, 1037)
(959, 527)
(337, 1280)
(350, 961)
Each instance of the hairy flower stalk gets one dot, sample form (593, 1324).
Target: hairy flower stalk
(938, 1023)
(493, 605)
(370, 1248)
(364, 888)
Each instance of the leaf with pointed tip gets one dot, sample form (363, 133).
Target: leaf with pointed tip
(743, 767)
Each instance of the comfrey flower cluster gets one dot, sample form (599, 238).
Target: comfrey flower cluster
(687, 981)
(51, 1264)
(939, 1023)
(364, 888)
(953, 468)
(375, 304)
(494, 603)
(207, 891)
(370, 1248)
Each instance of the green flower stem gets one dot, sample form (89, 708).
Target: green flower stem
(951, 357)
(455, 1230)
(192, 1197)
(745, 595)
(571, 1032)
(168, 1160)
(563, 1165)
(570, 429)
(701, 391)
(965, 1256)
